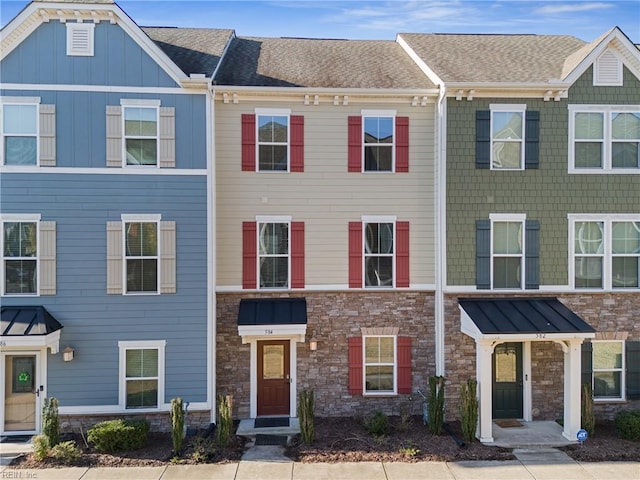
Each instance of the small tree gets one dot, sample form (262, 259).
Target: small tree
(469, 409)
(225, 420)
(51, 421)
(306, 407)
(588, 416)
(177, 424)
(436, 404)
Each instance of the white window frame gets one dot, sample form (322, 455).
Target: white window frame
(85, 27)
(147, 104)
(275, 112)
(34, 101)
(509, 218)
(508, 108)
(262, 220)
(622, 370)
(607, 141)
(123, 346)
(21, 218)
(378, 219)
(379, 393)
(607, 257)
(378, 114)
(143, 218)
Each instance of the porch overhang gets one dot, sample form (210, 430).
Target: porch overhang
(272, 317)
(29, 327)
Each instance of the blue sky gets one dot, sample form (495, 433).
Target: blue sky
(382, 19)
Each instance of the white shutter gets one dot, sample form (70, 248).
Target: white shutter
(114, 258)
(114, 136)
(167, 257)
(47, 135)
(47, 258)
(167, 146)
(607, 70)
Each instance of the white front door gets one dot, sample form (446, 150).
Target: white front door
(22, 391)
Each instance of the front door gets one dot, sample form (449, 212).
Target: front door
(273, 377)
(21, 389)
(507, 381)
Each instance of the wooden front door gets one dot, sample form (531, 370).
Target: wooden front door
(20, 390)
(507, 381)
(273, 377)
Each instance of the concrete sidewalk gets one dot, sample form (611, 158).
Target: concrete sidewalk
(532, 466)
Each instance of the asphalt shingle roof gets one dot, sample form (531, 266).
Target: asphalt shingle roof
(194, 50)
(494, 58)
(298, 62)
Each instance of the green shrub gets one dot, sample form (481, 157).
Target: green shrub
(204, 449)
(40, 447)
(588, 417)
(378, 424)
(436, 404)
(115, 435)
(65, 451)
(469, 409)
(51, 420)
(306, 400)
(628, 424)
(177, 424)
(225, 420)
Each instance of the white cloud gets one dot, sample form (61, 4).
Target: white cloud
(571, 8)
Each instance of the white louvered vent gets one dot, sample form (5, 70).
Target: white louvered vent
(607, 70)
(80, 39)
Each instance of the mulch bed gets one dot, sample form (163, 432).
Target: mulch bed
(605, 446)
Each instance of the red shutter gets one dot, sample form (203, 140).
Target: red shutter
(355, 254)
(355, 144)
(297, 254)
(355, 365)
(402, 144)
(248, 142)
(402, 254)
(404, 365)
(249, 255)
(297, 143)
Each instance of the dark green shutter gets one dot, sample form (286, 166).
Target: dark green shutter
(483, 254)
(587, 363)
(633, 370)
(483, 139)
(532, 255)
(532, 143)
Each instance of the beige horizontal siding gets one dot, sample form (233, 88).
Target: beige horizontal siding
(326, 197)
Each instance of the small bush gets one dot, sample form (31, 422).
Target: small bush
(410, 449)
(469, 409)
(65, 451)
(204, 449)
(51, 420)
(177, 424)
(225, 420)
(588, 417)
(436, 404)
(116, 435)
(628, 424)
(306, 409)
(378, 424)
(40, 447)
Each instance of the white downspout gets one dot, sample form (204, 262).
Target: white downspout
(441, 226)
(211, 253)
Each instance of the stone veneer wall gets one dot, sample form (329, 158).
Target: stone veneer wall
(332, 318)
(159, 422)
(608, 313)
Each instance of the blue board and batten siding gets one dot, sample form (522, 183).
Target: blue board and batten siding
(82, 202)
(118, 60)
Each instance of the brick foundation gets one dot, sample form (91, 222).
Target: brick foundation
(333, 317)
(159, 422)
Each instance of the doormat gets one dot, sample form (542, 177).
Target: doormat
(271, 440)
(271, 422)
(508, 423)
(15, 438)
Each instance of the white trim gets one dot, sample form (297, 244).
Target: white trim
(440, 188)
(381, 393)
(147, 105)
(378, 114)
(141, 217)
(107, 409)
(7, 99)
(379, 218)
(273, 218)
(22, 218)
(265, 332)
(272, 112)
(123, 346)
(51, 340)
(527, 386)
(622, 370)
(100, 88)
(509, 218)
(89, 29)
(260, 224)
(276, 112)
(428, 287)
(102, 171)
(211, 258)
(508, 108)
(21, 101)
(139, 102)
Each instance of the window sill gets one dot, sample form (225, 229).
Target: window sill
(601, 401)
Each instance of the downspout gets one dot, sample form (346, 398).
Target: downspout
(441, 225)
(211, 253)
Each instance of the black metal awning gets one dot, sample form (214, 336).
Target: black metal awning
(521, 316)
(262, 317)
(29, 326)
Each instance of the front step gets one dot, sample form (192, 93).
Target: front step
(246, 428)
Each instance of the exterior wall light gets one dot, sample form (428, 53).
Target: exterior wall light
(67, 354)
(313, 345)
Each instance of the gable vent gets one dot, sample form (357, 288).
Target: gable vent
(80, 39)
(607, 70)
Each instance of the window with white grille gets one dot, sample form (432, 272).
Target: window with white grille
(80, 39)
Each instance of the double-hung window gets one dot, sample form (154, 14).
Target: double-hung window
(380, 364)
(141, 134)
(20, 256)
(378, 253)
(141, 256)
(378, 139)
(608, 370)
(20, 132)
(604, 138)
(273, 140)
(605, 251)
(507, 136)
(507, 251)
(273, 252)
(141, 374)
